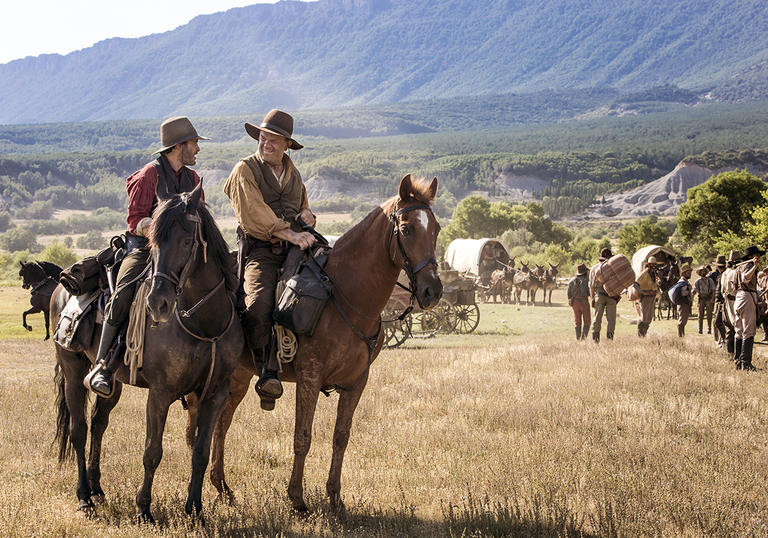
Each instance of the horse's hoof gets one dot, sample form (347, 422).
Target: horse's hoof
(301, 511)
(267, 404)
(28, 327)
(85, 505)
(225, 497)
(46, 338)
(145, 517)
(98, 498)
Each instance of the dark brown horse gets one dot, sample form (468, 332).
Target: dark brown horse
(40, 278)
(549, 282)
(363, 268)
(192, 343)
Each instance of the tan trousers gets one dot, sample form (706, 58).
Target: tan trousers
(745, 307)
(647, 305)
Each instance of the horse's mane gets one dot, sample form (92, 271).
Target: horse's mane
(33, 271)
(419, 192)
(172, 212)
(51, 269)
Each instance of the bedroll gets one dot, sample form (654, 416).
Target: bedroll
(616, 274)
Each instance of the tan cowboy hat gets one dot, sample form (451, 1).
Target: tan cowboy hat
(175, 131)
(702, 271)
(276, 122)
(685, 269)
(582, 270)
(734, 256)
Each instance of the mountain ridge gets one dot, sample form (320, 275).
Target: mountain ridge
(332, 53)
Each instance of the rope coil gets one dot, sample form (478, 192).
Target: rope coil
(287, 344)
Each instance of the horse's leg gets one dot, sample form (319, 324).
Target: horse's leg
(74, 369)
(99, 422)
(157, 412)
(32, 310)
(208, 411)
(238, 388)
(307, 392)
(345, 410)
(47, 317)
(191, 430)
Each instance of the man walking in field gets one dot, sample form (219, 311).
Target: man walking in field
(745, 308)
(179, 151)
(715, 275)
(601, 301)
(646, 281)
(686, 300)
(704, 289)
(728, 288)
(269, 198)
(578, 299)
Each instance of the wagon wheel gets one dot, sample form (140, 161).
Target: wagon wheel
(396, 331)
(467, 318)
(441, 318)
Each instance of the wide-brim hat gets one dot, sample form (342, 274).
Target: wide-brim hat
(277, 123)
(176, 131)
(720, 261)
(605, 254)
(734, 256)
(652, 261)
(686, 269)
(751, 251)
(582, 270)
(701, 271)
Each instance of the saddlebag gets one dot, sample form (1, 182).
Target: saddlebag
(303, 296)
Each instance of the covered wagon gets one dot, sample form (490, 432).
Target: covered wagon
(476, 258)
(662, 254)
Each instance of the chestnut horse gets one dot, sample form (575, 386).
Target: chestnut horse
(187, 350)
(363, 268)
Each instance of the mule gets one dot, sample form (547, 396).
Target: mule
(187, 349)
(40, 278)
(549, 282)
(666, 277)
(362, 267)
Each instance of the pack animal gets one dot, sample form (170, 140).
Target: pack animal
(502, 283)
(549, 282)
(40, 278)
(526, 280)
(187, 350)
(667, 276)
(362, 268)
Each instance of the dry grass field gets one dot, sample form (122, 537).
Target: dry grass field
(515, 430)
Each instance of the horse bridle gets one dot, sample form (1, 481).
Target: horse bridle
(408, 267)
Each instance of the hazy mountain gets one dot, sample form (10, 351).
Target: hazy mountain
(344, 52)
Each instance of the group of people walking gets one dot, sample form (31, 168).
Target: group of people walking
(730, 294)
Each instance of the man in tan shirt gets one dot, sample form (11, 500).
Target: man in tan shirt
(269, 198)
(646, 281)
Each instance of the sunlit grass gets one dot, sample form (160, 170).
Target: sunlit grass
(515, 430)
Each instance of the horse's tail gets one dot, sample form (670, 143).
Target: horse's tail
(62, 418)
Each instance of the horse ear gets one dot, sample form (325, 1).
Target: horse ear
(433, 188)
(161, 191)
(195, 195)
(405, 188)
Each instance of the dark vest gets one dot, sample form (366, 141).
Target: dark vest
(285, 203)
(185, 182)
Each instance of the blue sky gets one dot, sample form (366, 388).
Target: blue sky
(33, 27)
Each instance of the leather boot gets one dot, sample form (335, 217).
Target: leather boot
(99, 379)
(642, 328)
(585, 332)
(730, 343)
(596, 337)
(680, 331)
(268, 387)
(578, 332)
(746, 354)
(737, 344)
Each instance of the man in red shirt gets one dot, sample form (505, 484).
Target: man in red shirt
(179, 140)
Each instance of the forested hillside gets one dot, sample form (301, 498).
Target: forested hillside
(345, 52)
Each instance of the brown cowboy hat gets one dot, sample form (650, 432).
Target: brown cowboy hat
(734, 256)
(720, 261)
(277, 123)
(582, 270)
(752, 251)
(175, 131)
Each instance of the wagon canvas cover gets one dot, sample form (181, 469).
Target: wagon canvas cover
(465, 255)
(646, 252)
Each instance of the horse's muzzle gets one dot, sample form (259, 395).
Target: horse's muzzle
(429, 289)
(160, 305)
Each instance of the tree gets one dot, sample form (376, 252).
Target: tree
(19, 239)
(92, 241)
(59, 254)
(645, 231)
(723, 203)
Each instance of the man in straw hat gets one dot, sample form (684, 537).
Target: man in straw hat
(601, 301)
(745, 308)
(578, 299)
(728, 288)
(704, 290)
(269, 199)
(178, 139)
(646, 281)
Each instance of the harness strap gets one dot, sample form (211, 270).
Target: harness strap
(36, 286)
